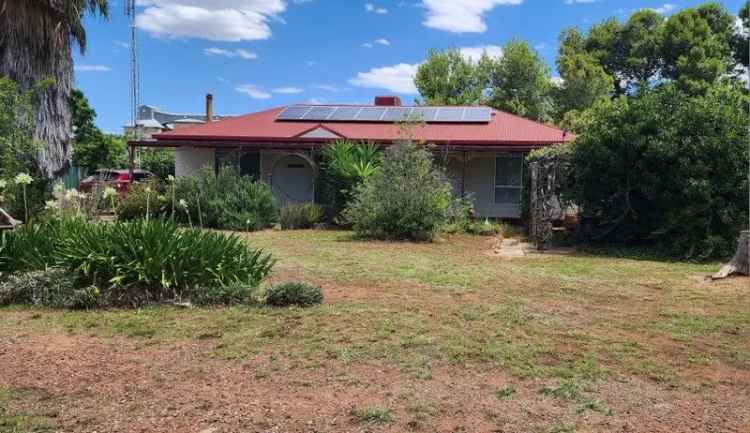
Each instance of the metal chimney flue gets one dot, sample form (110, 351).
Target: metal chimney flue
(209, 108)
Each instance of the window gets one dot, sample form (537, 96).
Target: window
(508, 179)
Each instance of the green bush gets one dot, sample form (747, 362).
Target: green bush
(409, 197)
(346, 165)
(299, 294)
(666, 169)
(225, 201)
(55, 288)
(300, 216)
(232, 294)
(160, 162)
(142, 198)
(30, 247)
(149, 261)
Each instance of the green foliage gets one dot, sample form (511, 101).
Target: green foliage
(232, 294)
(301, 216)
(17, 146)
(372, 415)
(666, 168)
(741, 41)
(144, 198)
(29, 247)
(55, 288)
(91, 147)
(346, 165)
(297, 294)
(505, 392)
(449, 78)
(520, 82)
(148, 261)
(408, 198)
(225, 201)
(160, 162)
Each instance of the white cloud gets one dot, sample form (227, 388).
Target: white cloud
(475, 53)
(461, 16)
(222, 20)
(398, 78)
(289, 90)
(240, 52)
(92, 68)
(369, 7)
(327, 88)
(382, 41)
(664, 9)
(571, 2)
(253, 91)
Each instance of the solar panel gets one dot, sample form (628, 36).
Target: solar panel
(397, 114)
(370, 114)
(446, 114)
(294, 113)
(424, 114)
(319, 113)
(477, 114)
(346, 113)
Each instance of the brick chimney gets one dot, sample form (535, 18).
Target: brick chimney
(209, 108)
(387, 101)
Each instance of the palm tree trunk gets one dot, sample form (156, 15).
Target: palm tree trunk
(35, 46)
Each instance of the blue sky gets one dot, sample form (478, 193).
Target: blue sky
(257, 54)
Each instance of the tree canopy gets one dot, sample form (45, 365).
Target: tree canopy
(92, 148)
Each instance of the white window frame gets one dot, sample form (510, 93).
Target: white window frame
(495, 186)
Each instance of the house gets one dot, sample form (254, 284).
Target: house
(483, 147)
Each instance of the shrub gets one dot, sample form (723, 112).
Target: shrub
(160, 162)
(231, 294)
(299, 294)
(142, 198)
(29, 247)
(408, 198)
(346, 165)
(300, 216)
(54, 288)
(225, 201)
(666, 169)
(149, 261)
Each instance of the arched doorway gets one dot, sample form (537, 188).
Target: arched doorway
(293, 179)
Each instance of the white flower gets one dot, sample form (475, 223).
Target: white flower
(109, 192)
(148, 190)
(58, 189)
(3, 184)
(51, 205)
(183, 203)
(170, 178)
(23, 179)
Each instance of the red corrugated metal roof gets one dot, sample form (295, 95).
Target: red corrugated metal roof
(503, 130)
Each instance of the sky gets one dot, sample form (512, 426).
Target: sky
(258, 54)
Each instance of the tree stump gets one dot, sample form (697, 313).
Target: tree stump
(740, 264)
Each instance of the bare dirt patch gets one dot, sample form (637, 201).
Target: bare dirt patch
(90, 385)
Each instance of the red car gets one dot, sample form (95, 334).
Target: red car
(119, 179)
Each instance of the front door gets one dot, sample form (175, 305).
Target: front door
(293, 180)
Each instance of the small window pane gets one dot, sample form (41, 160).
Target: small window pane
(508, 171)
(507, 195)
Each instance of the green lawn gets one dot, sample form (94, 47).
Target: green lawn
(561, 327)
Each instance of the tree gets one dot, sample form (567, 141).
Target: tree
(584, 80)
(449, 78)
(520, 82)
(35, 44)
(668, 168)
(697, 46)
(91, 147)
(741, 41)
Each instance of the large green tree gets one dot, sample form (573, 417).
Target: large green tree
(742, 39)
(697, 46)
(520, 82)
(35, 44)
(450, 78)
(92, 148)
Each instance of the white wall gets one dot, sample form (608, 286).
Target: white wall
(188, 161)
